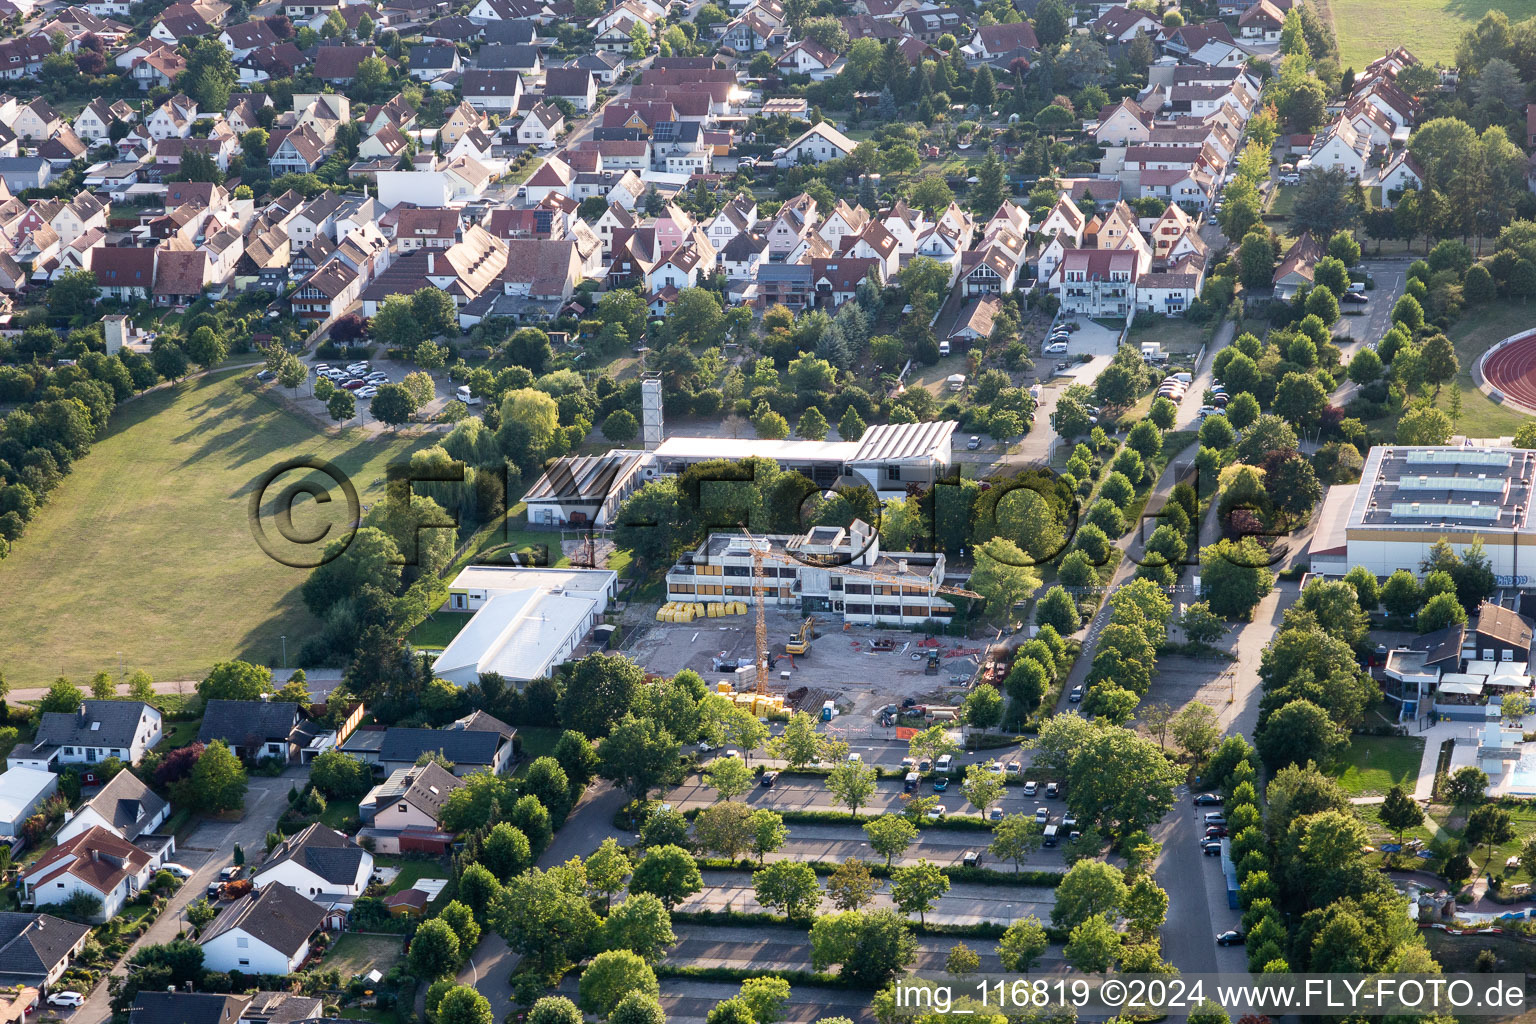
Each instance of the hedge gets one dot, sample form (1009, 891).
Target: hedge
(815, 979)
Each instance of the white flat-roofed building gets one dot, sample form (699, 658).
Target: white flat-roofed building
(586, 490)
(823, 570)
(526, 621)
(1409, 498)
(887, 458)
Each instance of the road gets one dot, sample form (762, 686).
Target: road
(321, 682)
(208, 850)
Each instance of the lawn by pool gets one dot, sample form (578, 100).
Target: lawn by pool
(1374, 764)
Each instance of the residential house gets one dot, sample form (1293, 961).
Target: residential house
(96, 731)
(327, 292)
(1003, 43)
(975, 321)
(469, 750)
(541, 127)
(815, 145)
(266, 931)
(253, 729)
(180, 277)
(319, 863)
(125, 274)
(1098, 282)
(425, 228)
(500, 91)
(124, 806)
(1120, 25)
(542, 270)
(35, 949)
(94, 123)
(1261, 23)
(1296, 267)
(577, 85)
(92, 865)
(808, 57)
(429, 63)
(1124, 123)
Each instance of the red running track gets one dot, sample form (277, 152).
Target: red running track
(1512, 369)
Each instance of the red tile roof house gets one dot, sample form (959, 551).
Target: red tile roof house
(127, 275)
(180, 277)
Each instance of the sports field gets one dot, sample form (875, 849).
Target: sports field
(1430, 28)
(145, 556)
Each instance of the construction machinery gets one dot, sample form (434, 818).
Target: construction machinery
(800, 644)
(761, 552)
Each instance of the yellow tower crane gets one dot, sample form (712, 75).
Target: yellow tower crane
(762, 553)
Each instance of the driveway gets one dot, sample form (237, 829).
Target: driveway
(207, 850)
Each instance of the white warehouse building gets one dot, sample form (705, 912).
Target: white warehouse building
(526, 621)
(1408, 498)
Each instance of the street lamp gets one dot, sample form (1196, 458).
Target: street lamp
(284, 639)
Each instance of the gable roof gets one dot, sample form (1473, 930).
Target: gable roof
(32, 945)
(322, 851)
(1503, 624)
(275, 915)
(237, 722)
(151, 1007)
(97, 723)
(425, 787)
(127, 804)
(96, 857)
(1007, 38)
(461, 746)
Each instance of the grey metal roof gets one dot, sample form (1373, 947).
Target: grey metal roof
(275, 915)
(583, 477)
(97, 723)
(892, 442)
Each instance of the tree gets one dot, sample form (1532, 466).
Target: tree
(340, 776)
(851, 427)
(554, 1010)
(1400, 813)
(789, 888)
(1088, 889)
(209, 74)
(463, 1005)
(1488, 826)
(668, 873)
(1003, 575)
(1093, 945)
(852, 783)
(916, 887)
(637, 1008)
(434, 949)
(766, 832)
(982, 787)
(1015, 837)
(983, 707)
(1235, 577)
(235, 680)
(639, 755)
(1441, 611)
(393, 404)
(990, 189)
(1022, 944)
(813, 425)
(506, 851)
(1145, 907)
(341, 406)
(870, 946)
(890, 835)
(1201, 625)
(766, 997)
(1195, 729)
(610, 976)
(852, 885)
(641, 925)
(546, 916)
(1057, 610)
(1297, 733)
(1424, 425)
(1466, 785)
(140, 686)
(728, 776)
(601, 689)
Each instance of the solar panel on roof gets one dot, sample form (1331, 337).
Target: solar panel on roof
(1457, 457)
(1493, 484)
(1444, 510)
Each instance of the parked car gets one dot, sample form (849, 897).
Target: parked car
(1211, 848)
(1014, 767)
(1055, 349)
(1208, 800)
(769, 778)
(1231, 937)
(1216, 832)
(176, 869)
(353, 385)
(367, 392)
(940, 785)
(1031, 787)
(230, 873)
(266, 375)
(995, 814)
(973, 443)
(1215, 818)
(937, 814)
(1076, 695)
(1042, 815)
(1052, 790)
(66, 999)
(1358, 298)
(1070, 821)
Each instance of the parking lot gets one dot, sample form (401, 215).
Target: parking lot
(834, 844)
(965, 903)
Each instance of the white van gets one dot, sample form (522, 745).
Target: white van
(945, 760)
(464, 396)
(943, 348)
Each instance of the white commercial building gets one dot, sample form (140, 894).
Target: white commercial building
(526, 621)
(829, 569)
(1408, 498)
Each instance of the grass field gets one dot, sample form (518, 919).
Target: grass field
(1374, 764)
(145, 554)
(1477, 331)
(1430, 28)
(355, 954)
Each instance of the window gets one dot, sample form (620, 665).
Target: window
(401, 808)
(242, 943)
(893, 472)
(245, 963)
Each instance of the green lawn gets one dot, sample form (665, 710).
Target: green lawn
(145, 553)
(1430, 28)
(1374, 764)
(410, 871)
(179, 734)
(536, 741)
(439, 629)
(338, 811)
(354, 954)
(1476, 332)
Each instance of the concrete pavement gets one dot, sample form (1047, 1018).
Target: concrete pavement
(808, 794)
(964, 903)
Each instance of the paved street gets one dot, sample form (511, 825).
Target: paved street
(208, 850)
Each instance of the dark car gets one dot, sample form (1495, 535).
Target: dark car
(1208, 800)
(1076, 695)
(1052, 790)
(1216, 832)
(1354, 297)
(1231, 938)
(266, 375)
(1212, 849)
(940, 785)
(769, 778)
